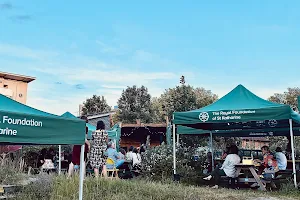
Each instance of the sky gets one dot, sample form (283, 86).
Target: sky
(77, 49)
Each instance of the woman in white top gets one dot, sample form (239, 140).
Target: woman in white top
(228, 167)
(136, 158)
(129, 154)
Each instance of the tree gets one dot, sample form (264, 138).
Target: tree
(134, 103)
(178, 99)
(95, 105)
(204, 97)
(158, 111)
(185, 98)
(289, 97)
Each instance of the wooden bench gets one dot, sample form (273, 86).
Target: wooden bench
(230, 182)
(281, 177)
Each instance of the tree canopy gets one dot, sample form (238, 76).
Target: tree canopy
(183, 98)
(134, 103)
(289, 97)
(95, 105)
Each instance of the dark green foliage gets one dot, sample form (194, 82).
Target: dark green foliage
(95, 105)
(135, 103)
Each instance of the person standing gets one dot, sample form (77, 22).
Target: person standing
(75, 163)
(98, 149)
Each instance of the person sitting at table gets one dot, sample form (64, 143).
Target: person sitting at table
(122, 154)
(226, 152)
(48, 162)
(228, 167)
(136, 159)
(268, 165)
(112, 153)
(281, 159)
(129, 154)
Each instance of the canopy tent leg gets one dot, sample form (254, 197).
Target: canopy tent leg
(293, 152)
(174, 150)
(59, 159)
(177, 139)
(82, 169)
(212, 152)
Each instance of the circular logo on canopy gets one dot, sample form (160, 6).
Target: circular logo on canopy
(204, 116)
(272, 123)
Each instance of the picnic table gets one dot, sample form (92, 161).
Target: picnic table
(255, 178)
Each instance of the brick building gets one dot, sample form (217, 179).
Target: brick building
(254, 143)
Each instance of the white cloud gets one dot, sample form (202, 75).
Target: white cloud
(117, 76)
(99, 77)
(24, 52)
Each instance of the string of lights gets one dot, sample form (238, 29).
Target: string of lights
(147, 128)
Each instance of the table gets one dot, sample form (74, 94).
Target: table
(250, 168)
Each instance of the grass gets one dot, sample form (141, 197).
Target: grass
(10, 172)
(67, 189)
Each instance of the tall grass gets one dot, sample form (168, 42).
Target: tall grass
(67, 189)
(10, 171)
(61, 188)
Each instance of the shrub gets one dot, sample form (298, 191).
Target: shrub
(157, 163)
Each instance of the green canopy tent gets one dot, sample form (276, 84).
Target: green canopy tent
(91, 128)
(239, 105)
(184, 130)
(21, 124)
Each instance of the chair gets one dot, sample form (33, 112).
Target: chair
(114, 171)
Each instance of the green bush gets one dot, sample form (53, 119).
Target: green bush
(157, 163)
